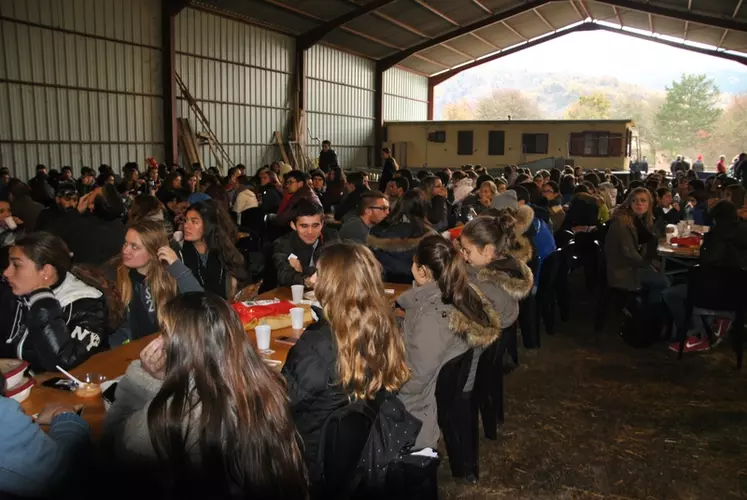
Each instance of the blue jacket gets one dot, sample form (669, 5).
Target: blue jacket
(35, 464)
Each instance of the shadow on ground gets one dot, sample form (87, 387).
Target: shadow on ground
(588, 417)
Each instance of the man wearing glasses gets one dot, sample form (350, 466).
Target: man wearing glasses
(373, 208)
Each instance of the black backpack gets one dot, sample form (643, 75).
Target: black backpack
(384, 468)
(641, 325)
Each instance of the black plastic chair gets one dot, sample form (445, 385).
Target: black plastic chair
(457, 417)
(489, 382)
(587, 252)
(716, 292)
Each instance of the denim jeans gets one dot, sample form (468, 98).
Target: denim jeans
(654, 282)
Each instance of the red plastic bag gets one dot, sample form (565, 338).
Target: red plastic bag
(689, 242)
(249, 313)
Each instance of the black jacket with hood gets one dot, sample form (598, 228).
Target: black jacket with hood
(314, 390)
(394, 245)
(64, 325)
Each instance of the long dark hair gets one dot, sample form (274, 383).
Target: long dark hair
(219, 235)
(412, 208)
(449, 270)
(497, 228)
(219, 395)
(44, 248)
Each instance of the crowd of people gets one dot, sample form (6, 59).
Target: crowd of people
(97, 262)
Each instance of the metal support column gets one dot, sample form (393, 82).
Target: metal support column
(378, 115)
(169, 10)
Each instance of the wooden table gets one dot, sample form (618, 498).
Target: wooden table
(114, 363)
(685, 257)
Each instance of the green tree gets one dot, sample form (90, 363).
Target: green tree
(641, 108)
(689, 114)
(595, 106)
(501, 104)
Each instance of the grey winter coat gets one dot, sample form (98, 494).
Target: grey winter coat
(624, 254)
(434, 333)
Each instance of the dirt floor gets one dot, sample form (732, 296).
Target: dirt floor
(589, 417)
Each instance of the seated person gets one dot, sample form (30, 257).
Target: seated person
(445, 315)
(331, 364)
(297, 188)
(209, 249)
(372, 209)
(627, 247)
(394, 240)
(583, 212)
(39, 464)
(296, 253)
(64, 213)
(439, 208)
(144, 285)
(49, 313)
(396, 189)
(724, 245)
(551, 192)
(666, 210)
(179, 425)
(356, 184)
(698, 207)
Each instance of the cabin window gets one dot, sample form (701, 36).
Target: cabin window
(535, 144)
(438, 136)
(496, 142)
(595, 144)
(465, 142)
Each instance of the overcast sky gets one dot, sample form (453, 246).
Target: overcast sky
(609, 54)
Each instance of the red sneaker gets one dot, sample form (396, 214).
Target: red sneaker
(722, 327)
(693, 344)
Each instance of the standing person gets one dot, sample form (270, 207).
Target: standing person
(373, 208)
(387, 172)
(143, 284)
(332, 363)
(209, 250)
(58, 316)
(200, 415)
(327, 157)
(444, 317)
(698, 165)
(721, 165)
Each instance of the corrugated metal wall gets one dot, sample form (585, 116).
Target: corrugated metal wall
(405, 95)
(340, 105)
(80, 83)
(239, 75)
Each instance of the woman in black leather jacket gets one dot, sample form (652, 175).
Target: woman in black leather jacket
(49, 315)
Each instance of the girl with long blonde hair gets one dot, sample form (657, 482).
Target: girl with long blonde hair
(143, 283)
(353, 352)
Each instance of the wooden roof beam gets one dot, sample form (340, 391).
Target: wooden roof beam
(619, 17)
(512, 30)
(651, 22)
(544, 19)
(437, 12)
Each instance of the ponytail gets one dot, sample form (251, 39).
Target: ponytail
(448, 269)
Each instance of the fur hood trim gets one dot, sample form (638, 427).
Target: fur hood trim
(518, 287)
(524, 218)
(396, 244)
(475, 334)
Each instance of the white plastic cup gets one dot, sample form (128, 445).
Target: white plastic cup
(297, 318)
(178, 236)
(263, 337)
(297, 291)
(11, 223)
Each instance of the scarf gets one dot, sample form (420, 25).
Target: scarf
(142, 307)
(284, 202)
(211, 275)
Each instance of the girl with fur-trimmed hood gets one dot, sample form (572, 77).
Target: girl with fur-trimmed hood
(444, 317)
